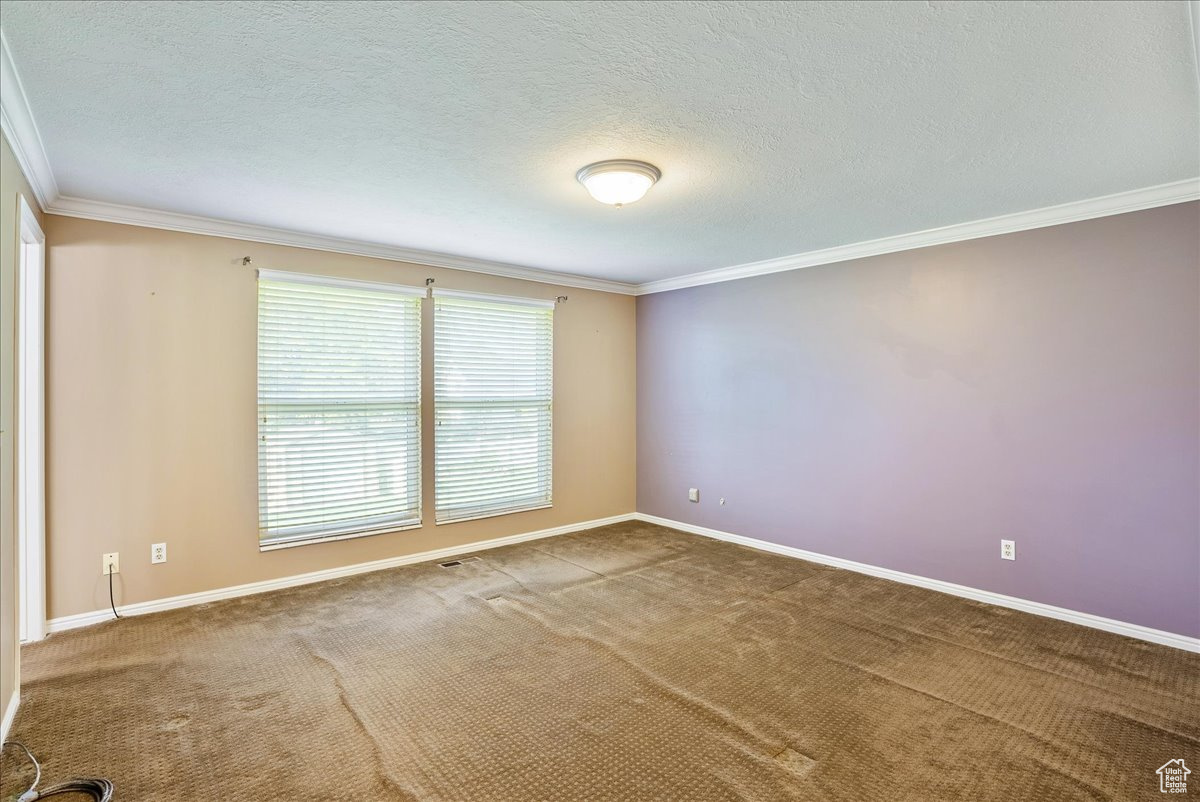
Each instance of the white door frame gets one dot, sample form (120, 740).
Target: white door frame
(31, 426)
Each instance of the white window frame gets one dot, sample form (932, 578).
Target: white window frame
(443, 517)
(304, 539)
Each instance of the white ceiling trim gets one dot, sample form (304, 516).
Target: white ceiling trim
(1119, 203)
(172, 221)
(22, 133)
(16, 120)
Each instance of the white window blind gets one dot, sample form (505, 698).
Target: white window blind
(339, 412)
(493, 394)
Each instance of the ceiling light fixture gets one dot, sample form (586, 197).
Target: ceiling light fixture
(618, 181)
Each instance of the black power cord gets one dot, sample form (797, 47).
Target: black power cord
(111, 603)
(98, 789)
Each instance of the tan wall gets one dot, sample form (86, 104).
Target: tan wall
(12, 185)
(151, 412)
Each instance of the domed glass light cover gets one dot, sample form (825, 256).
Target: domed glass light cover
(618, 182)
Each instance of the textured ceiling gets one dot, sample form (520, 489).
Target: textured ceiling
(780, 128)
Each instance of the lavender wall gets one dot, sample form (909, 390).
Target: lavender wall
(910, 410)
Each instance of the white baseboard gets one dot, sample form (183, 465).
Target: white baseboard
(205, 597)
(1037, 608)
(10, 713)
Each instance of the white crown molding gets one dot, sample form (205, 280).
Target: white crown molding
(16, 120)
(209, 596)
(208, 226)
(1138, 631)
(1119, 203)
(22, 134)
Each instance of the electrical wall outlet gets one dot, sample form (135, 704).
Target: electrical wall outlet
(110, 563)
(158, 552)
(694, 494)
(1008, 549)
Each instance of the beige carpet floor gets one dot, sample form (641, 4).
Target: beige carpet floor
(625, 663)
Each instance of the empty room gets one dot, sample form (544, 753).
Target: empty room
(599, 401)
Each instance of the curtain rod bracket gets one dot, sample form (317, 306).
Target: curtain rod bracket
(562, 299)
(245, 260)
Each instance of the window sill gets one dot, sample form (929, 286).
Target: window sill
(308, 541)
(481, 516)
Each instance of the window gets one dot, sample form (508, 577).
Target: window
(339, 408)
(493, 387)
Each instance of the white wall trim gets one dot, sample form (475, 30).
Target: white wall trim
(1036, 608)
(1119, 203)
(10, 713)
(26, 141)
(208, 226)
(19, 128)
(31, 426)
(205, 597)
(1000, 600)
